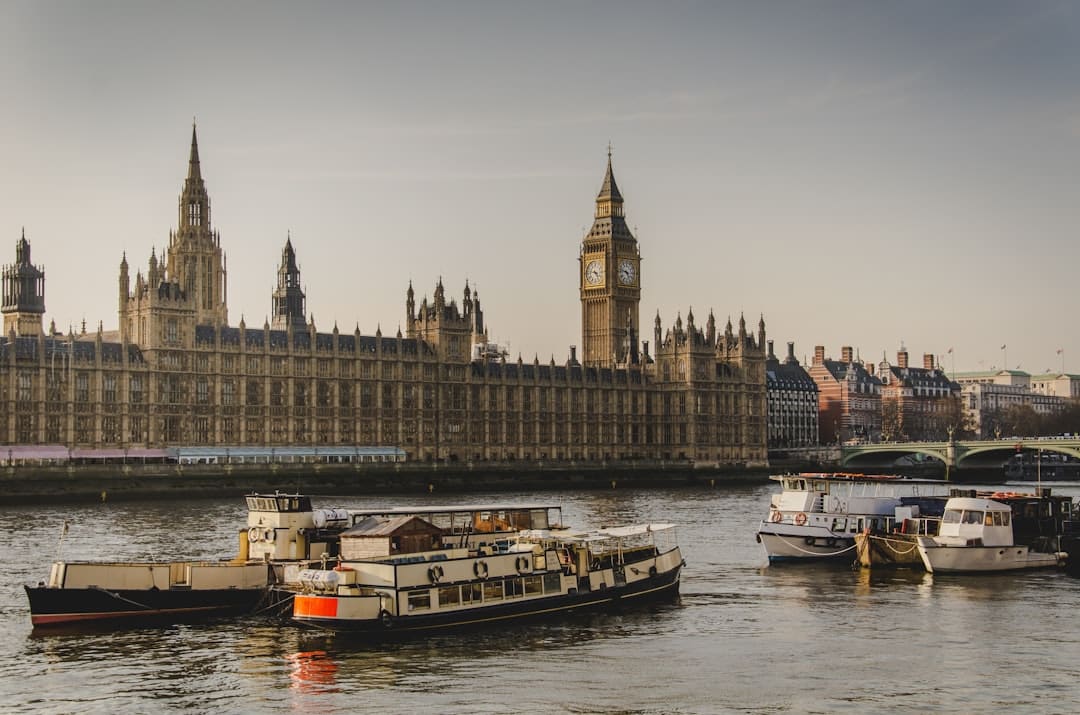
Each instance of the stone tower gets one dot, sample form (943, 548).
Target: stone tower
(452, 331)
(23, 293)
(195, 260)
(289, 301)
(184, 289)
(610, 281)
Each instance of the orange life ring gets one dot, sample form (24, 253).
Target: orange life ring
(800, 519)
(777, 517)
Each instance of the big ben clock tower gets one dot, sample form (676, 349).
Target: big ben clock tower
(610, 279)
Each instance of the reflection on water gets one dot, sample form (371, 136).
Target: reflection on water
(743, 637)
(313, 671)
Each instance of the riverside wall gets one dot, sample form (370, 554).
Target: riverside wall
(73, 483)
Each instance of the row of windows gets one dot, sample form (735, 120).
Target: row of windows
(473, 594)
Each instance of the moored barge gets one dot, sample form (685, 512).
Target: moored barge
(281, 529)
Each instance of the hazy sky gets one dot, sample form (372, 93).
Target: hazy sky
(861, 173)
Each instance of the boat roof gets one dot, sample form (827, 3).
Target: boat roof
(619, 532)
(373, 526)
(396, 510)
(856, 477)
(976, 504)
(409, 510)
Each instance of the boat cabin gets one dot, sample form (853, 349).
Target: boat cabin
(976, 521)
(382, 537)
(852, 493)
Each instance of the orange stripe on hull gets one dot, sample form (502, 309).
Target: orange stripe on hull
(48, 619)
(315, 607)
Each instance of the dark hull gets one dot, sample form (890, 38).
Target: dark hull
(662, 586)
(67, 606)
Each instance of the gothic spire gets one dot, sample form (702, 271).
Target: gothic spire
(609, 190)
(194, 172)
(609, 202)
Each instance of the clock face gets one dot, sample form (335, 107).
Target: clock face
(594, 272)
(627, 274)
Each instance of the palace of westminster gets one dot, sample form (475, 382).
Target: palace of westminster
(176, 373)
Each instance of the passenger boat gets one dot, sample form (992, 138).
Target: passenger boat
(817, 516)
(406, 574)
(976, 536)
(281, 528)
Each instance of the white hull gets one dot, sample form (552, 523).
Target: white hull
(787, 542)
(983, 559)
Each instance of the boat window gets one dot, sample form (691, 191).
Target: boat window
(493, 590)
(514, 588)
(800, 485)
(972, 517)
(449, 596)
(839, 524)
(822, 487)
(552, 583)
(539, 519)
(997, 518)
(420, 600)
(989, 521)
(533, 585)
(1005, 518)
(952, 516)
(471, 593)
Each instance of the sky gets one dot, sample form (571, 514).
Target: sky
(865, 174)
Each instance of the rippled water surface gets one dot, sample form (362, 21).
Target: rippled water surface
(744, 637)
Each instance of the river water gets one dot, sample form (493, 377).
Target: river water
(744, 637)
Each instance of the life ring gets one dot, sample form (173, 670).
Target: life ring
(253, 534)
(269, 535)
(777, 517)
(522, 564)
(386, 619)
(435, 574)
(800, 518)
(480, 568)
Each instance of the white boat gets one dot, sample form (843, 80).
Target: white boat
(405, 574)
(818, 515)
(976, 535)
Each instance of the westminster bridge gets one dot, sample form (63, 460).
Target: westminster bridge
(958, 454)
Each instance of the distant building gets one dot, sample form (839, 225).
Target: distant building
(793, 401)
(849, 398)
(985, 393)
(1057, 385)
(917, 403)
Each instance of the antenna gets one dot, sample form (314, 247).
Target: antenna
(60, 543)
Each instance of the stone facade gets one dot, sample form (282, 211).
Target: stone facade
(176, 373)
(985, 393)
